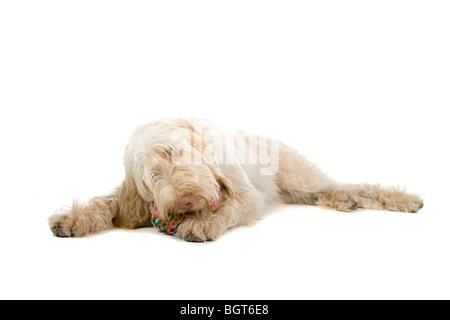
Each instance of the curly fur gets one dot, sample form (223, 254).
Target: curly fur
(169, 159)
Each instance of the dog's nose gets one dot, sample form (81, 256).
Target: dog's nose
(185, 203)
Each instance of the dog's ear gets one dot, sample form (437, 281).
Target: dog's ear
(131, 206)
(226, 186)
(224, 183)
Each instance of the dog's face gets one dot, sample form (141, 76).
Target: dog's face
(181, 188)
(171, 171)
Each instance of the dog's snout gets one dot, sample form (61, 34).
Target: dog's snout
(186, 203)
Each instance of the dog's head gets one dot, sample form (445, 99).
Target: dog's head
(171, 165)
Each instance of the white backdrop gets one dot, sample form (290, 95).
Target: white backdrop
(361, 87)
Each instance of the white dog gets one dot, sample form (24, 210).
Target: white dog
(215, 181)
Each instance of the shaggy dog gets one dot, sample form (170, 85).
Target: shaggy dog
(216, 181)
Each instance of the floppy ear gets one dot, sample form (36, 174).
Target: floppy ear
(133, 209)
(226, 185)
(223, 182)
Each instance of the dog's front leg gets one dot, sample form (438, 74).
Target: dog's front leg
(210, 225)
(205, 226)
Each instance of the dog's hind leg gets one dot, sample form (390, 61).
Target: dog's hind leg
(376, 197)
(301, 181)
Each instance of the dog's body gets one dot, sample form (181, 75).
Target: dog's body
(217, 181)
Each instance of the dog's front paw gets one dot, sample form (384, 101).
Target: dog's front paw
(65, 225)
(195, 229)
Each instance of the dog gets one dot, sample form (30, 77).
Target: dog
(216, 181)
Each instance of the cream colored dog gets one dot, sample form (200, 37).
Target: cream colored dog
(217, 181)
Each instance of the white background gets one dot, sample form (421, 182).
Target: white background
(361, 87)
